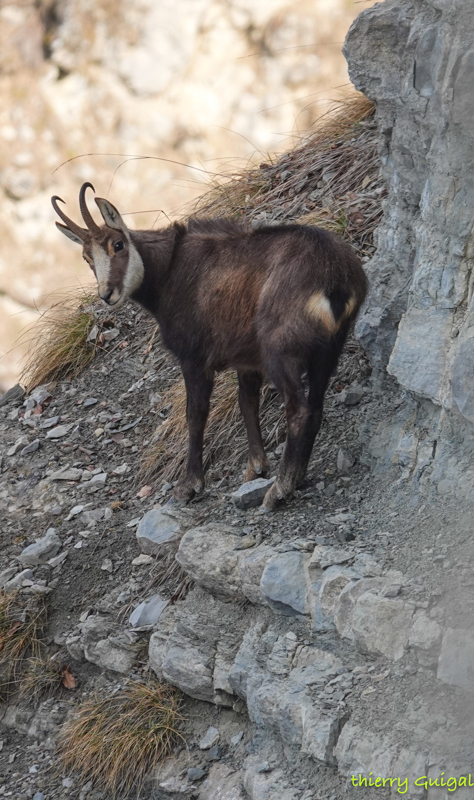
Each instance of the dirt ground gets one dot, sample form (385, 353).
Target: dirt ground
(427, 537)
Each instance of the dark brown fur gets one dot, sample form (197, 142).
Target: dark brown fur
(275, 301)
(230, 298)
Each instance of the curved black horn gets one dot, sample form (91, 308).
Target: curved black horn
(69, 223)
(86, 214)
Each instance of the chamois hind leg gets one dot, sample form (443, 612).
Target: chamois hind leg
(303, 414)
(250, 384)
(286, 375)
(198, 395)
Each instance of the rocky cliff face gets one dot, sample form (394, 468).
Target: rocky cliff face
(414, 58)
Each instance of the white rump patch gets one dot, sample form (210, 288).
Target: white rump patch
(319, 307)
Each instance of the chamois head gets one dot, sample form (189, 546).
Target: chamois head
(109, 250)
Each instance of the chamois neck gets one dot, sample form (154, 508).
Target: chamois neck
(155, 249)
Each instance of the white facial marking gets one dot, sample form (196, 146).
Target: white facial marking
(102, 267)
(135, 271)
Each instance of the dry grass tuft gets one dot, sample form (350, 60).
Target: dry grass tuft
(225, 438)
(115, 741)
(21, 628)
(59, 348)
(332, 178)
(44, 677)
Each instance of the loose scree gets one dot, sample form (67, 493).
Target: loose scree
(275, 301)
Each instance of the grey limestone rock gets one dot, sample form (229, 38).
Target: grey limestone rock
(18, 580)
(283, 584)
(105, 645)
(147, 614)
(251, 494)
(155, 529)
(210, 738)
(7, 574)
(415, 59)
(456, 658)
(59, 431)
(41, 550)
(66, 474)
(16, 393)
(211, 556)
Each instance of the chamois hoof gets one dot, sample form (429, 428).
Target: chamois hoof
(274, 498)
(186, 489)
(256, 469)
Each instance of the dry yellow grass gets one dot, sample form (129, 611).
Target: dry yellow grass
(115, 741)
(21, 629)
(44, 677)
(225, 434)
(58, 346)
(331, 178)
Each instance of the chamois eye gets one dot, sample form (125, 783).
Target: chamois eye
(118, 246)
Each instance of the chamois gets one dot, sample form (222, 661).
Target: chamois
(275, 301)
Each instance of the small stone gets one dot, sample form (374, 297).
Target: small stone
(18, 580)
(107, 565)
(140, 560)
(15, 393)
(101, 478)
(352, 395)
(6, 575)
(74, 512)
(237, 738)
(110, 334)
(57, 560)
(251, 494)
(148, 613)
(59, 431)
(344, 461)
(93, 334)
(196, 773)
(91, 401)
(42, 550)
(98, 432)
(215, 753)
(19, 445)
(210, 738)
(66, 475)
(49, 423)
(32, 447)
(155, 529)
(122, 470)
(38, 796)
(68, 783)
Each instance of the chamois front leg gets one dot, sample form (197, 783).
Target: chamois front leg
(250, 384)
(198, 394)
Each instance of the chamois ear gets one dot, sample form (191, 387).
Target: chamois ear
(110, 214)
(70, 234)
